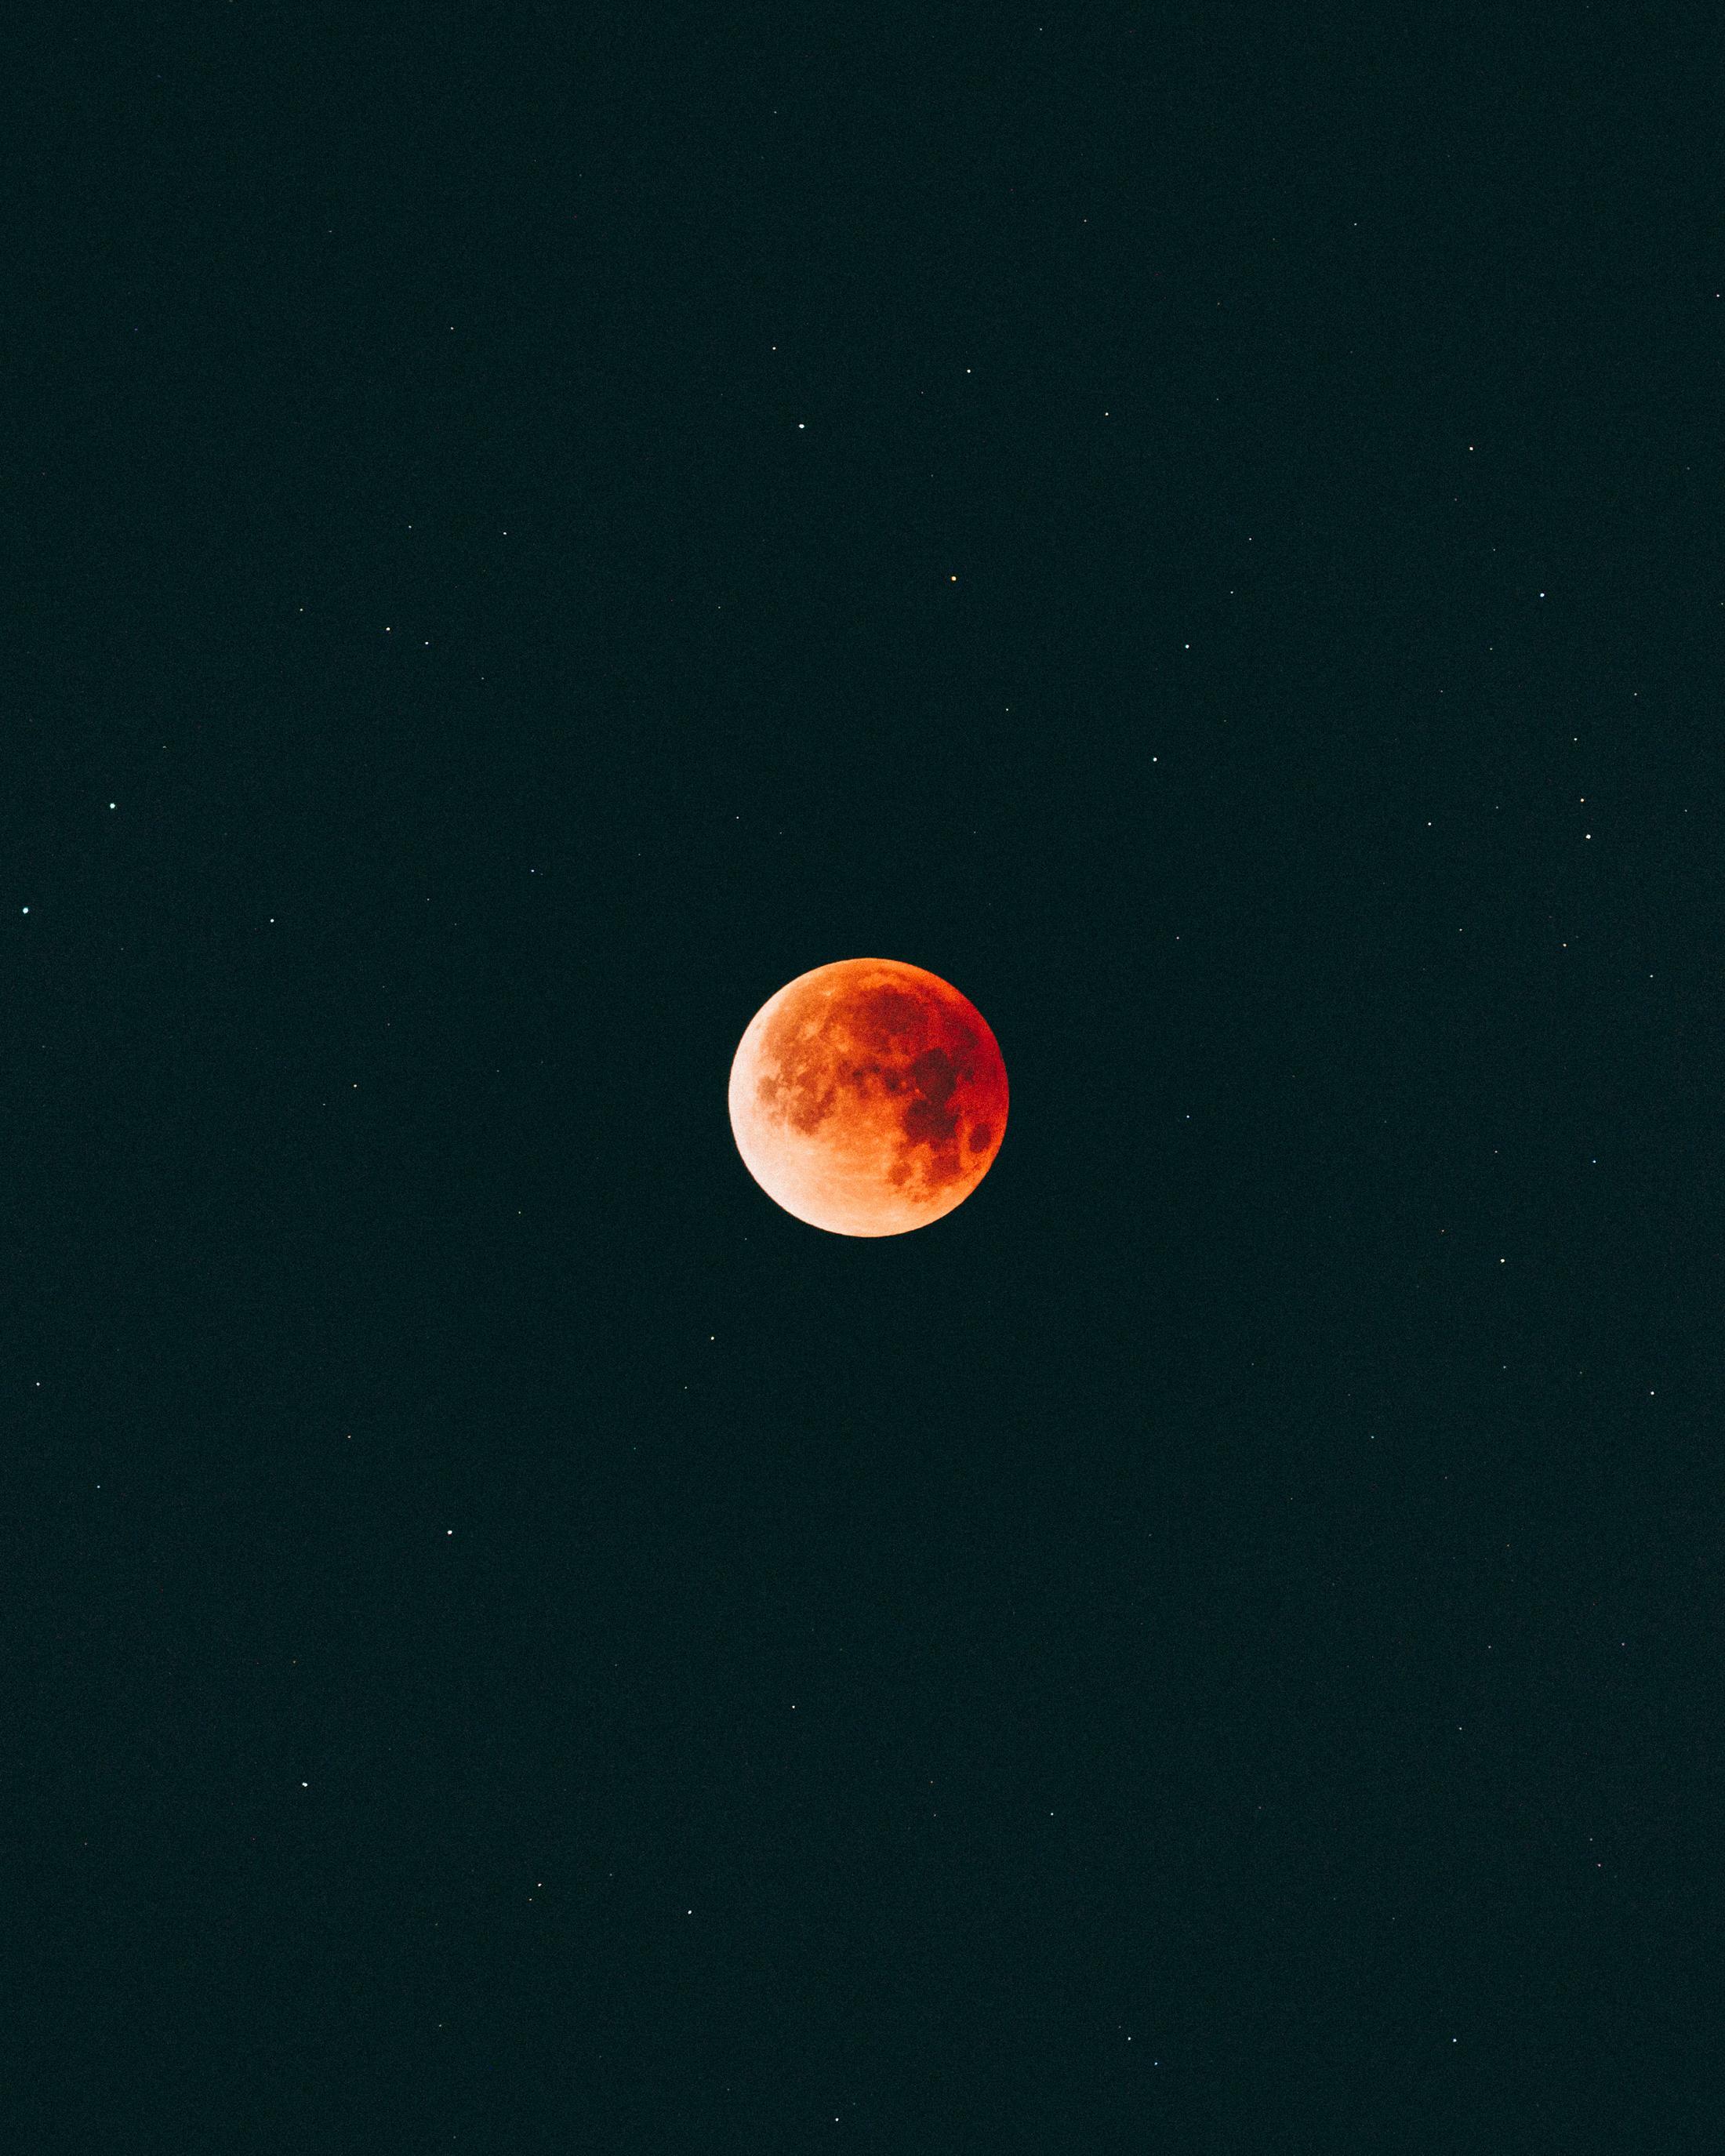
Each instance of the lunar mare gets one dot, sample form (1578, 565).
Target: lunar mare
(867, 1097)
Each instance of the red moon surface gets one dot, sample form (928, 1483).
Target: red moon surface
(867, 1097)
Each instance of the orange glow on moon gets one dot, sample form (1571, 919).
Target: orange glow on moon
(867, 1097)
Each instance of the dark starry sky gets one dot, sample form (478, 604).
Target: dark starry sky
(525, 532)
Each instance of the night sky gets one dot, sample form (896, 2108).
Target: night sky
(527, 532)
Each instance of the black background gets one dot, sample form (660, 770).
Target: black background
(1202, 533)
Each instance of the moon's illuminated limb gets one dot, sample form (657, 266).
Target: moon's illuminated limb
(867, 1097)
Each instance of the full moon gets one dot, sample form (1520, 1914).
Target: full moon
(867, 1097)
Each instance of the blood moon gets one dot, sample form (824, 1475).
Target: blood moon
(867, 1097)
